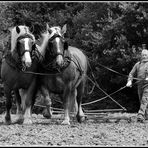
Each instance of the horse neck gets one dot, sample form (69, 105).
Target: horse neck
(14, 55)
(42, 47)
(13, 44)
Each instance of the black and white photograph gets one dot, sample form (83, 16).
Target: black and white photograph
(73, 74)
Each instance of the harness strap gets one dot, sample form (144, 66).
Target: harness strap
(78, 65)
(24, 52)
(37, 54)
(17, 64)
(50, 67)
(25, 36)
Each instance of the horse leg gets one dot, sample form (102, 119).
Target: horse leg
(80, 91)
(27, 102)
(47, 113)
(72, 103)
(67, 104)
(8, 96)
(20, 118)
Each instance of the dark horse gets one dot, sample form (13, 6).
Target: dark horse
(15, 63)
(67, 68)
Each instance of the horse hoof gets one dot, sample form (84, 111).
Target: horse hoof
(19, 121)
(27, 121)
(7, 122)
(47, 116)
(81, 119)
(65, 122)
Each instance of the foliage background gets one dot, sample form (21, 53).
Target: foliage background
(109, 33)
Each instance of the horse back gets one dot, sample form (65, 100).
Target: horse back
(79, 57)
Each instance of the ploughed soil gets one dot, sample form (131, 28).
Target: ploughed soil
(112, 129)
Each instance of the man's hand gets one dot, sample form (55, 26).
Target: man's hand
(129, 83)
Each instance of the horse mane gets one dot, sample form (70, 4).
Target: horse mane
(14, 35)
(44, 34)
(55, 29)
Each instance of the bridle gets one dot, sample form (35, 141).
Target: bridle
(21, 53)
(23, 37)
(50, 42)
(50, 63)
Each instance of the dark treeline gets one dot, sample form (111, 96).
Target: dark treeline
(109, 33)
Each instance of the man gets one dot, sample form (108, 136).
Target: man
(140, 70)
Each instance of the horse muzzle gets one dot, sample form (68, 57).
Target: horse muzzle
(28, 64)
(59, 60)
(27, 59)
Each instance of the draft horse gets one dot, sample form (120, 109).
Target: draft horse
(66, 69)
(15, 63)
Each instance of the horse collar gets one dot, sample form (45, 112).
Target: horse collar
(12, 62)
(52, 68)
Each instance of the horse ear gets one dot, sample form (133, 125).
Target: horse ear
(50, 31)
(47, 26)
(17, 29)
(64, 29)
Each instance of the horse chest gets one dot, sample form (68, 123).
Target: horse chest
(69, 74)
(22, 82)
(54, 84)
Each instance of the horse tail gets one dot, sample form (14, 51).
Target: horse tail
(88, 79)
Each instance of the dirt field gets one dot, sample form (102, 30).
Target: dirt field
(95, 131)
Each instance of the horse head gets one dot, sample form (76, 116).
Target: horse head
(22, 43)
(56, 43)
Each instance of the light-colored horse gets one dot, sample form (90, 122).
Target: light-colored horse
(16, 61)
(71, 66)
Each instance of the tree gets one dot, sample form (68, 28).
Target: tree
(109, 33)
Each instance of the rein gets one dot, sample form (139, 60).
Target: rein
(22, 37)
